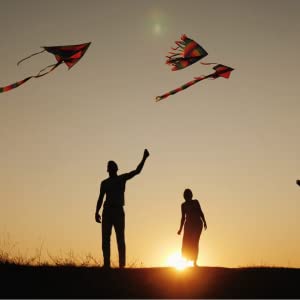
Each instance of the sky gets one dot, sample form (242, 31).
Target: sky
(234, 143)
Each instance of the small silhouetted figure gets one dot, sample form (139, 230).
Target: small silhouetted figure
(298, 182)
(113, 213)
(192, 218)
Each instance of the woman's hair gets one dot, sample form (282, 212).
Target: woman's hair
(187, 194)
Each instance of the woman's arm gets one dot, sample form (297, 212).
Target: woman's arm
(203, 218)
(182, 219)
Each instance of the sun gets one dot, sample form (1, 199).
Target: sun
(176, 261)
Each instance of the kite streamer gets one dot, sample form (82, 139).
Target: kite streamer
(188, 52)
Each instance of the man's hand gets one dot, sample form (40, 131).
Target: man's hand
(97, 218)
(146, 153)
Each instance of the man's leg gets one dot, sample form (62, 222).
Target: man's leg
(120, 228)
(106, 233)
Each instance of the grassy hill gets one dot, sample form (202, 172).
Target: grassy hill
(19, 281)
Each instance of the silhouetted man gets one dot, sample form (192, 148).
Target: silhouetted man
(113, 214)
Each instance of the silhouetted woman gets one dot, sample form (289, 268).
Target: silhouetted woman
(192, 218)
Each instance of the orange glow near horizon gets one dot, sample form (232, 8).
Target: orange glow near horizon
(234, 142)
(178, 262)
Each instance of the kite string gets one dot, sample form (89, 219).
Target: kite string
(30, 56)
(207, 64)
(18, 83)
(53, 67)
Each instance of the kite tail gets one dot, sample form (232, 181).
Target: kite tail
(181, 88)
(18, 83)
(30, 56)
(175, 56)
(180, 46)
(14, 85)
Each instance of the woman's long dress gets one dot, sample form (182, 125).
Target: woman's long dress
(192, 229)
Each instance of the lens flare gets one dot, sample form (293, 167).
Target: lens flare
(157, 23)
(157, 29)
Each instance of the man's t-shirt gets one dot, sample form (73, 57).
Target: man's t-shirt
(114, 189)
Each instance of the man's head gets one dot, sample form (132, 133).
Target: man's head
(188, 195)
(112, 167)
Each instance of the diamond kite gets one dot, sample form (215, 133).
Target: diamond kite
(69, 55)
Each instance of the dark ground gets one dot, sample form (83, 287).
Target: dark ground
(91, 282)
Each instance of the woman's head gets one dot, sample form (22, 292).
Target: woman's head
(187, 194)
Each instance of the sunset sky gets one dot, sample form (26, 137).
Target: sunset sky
(235, 143)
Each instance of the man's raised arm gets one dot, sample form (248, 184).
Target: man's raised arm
(140, 166)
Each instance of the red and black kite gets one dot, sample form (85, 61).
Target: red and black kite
(188, 53)
(68, 55)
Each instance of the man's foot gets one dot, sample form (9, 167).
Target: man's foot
(106, 267)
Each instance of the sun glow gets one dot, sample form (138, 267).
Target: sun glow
(157, 29)
(177, 261)
(157, 22)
